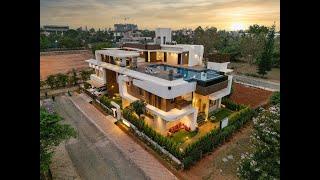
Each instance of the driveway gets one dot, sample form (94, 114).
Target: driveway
(93, 155)
(133, 152)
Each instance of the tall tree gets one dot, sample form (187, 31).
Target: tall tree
(74, 79)
(62, 79)
(264, 162)
(257, 29)
(98, 46)
(85, 75)
(52, 133)
(51, 81)
(265, 60)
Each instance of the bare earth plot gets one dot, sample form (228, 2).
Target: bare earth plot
(62, 63)
(250, 96)
(242, 68)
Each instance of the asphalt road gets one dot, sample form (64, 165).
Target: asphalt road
(92, 153)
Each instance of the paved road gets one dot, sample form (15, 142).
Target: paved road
(255, 82)
(92, 153)
(133, 152)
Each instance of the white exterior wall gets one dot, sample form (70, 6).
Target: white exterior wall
(163, 32)
(163, 91)
(195, 52)
(218, 66)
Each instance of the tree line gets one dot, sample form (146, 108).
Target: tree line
(257, 45)
(74, 39)
(62, 80)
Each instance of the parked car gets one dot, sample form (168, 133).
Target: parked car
(100, 91)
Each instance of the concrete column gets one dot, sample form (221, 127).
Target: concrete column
(134, 62)
(219, 103)
(123, 62)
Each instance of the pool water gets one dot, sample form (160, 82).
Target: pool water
(189, 74)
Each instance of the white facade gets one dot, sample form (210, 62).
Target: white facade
(195, 52)
(169, 90)
(163, 35)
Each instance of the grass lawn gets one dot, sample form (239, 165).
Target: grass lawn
(221, 114)
(181, 136)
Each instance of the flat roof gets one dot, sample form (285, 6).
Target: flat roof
(118, 53)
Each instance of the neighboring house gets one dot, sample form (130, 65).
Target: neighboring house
(171, 79)
(48, 29)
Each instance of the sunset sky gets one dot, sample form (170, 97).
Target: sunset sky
(149, 14)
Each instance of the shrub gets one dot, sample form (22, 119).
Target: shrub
(139, 107)
(275, 98)
(214, 138)
(231, 105)
(106, 101)
(168, 144)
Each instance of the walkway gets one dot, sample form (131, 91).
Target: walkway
(132, 151)
(255, 82)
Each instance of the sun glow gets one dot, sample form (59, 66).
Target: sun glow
(237, 26)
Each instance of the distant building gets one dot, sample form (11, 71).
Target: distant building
(48, 29)
(125, 27)
(163, 36)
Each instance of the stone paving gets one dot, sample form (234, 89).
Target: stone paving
(132, 151)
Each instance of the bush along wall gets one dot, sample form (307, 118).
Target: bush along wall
(231, 105)
(168, 144)
(207, 143)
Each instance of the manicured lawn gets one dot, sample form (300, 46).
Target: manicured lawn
(221, 114)
(181, 136)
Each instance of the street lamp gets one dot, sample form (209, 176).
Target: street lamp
(56, 43)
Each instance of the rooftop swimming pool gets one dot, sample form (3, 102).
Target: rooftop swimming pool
(190, 74)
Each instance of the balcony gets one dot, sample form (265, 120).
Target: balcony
(180, 104)
(206, 90)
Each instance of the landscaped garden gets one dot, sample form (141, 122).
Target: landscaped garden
(190, 147)
(220, 114)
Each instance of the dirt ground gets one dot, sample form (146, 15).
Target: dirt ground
(62, 63)
(253, 97)
(242, 68)
(222, 164)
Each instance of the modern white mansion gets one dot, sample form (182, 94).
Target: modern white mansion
(171, 79)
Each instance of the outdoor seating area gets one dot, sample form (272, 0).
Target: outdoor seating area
(177, 128)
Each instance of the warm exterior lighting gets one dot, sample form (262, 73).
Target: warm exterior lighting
(112, 86)
(126, 122)
(113, 97)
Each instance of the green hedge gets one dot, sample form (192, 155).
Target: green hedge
(231, 105)
(207, 143)
(106, 101)
(168, 144)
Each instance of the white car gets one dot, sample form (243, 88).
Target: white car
(100, 91)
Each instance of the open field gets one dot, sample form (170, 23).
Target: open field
(243, 68)
(63, 63)
(250, 96)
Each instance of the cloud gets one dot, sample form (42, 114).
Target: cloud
(163, 13)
